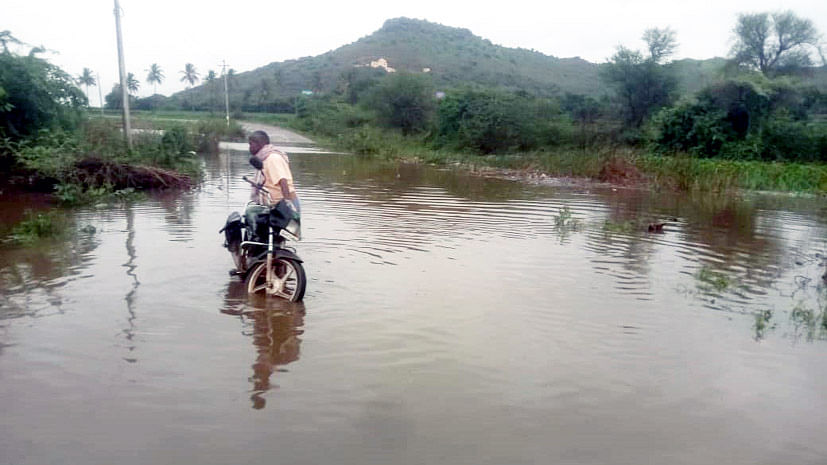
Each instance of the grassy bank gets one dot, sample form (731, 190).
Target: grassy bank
(93, 162)
(623, 165)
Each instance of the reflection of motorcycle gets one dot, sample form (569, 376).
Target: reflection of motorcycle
(276, 329)
(257, 243)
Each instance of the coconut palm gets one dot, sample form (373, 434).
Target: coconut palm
(132, 84)
(155, 77)
(190, 74)
(6, 38)
(87, 80)
(211, 80)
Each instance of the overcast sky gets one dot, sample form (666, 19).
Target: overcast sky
(251, 33)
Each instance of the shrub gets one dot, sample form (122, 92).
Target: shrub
(488, 121)
(36, 95)
(404, 101)
(744, 119)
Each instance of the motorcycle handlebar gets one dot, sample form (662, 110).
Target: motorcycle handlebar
(257, 186)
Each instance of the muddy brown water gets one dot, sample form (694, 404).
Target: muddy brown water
(448, 319)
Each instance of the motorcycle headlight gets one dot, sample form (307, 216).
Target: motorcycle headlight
(293, 230)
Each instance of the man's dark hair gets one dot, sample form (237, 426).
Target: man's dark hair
(260, 136)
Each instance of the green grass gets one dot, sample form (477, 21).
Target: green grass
(37, 226)
(93, 163)
(633, 166)
(687, 173)
(275, 119)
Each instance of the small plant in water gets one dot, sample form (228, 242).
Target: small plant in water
(37, 226)
(620, 226)
(565, 219)
(809, 322)
(716, 279)
(762, 323)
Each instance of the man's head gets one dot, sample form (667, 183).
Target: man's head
(257, 140)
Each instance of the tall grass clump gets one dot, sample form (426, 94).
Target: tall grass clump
(36, 226)
(683, 172)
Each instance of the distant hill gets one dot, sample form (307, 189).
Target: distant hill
(452, 56)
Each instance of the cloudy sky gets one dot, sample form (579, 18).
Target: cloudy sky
(251, 33)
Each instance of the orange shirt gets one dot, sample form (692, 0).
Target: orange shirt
(274, 170)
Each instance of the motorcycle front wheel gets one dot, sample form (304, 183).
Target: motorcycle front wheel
(289, 284)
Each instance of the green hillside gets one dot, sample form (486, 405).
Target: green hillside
(452, 56)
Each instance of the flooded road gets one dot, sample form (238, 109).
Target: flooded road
(448, 319)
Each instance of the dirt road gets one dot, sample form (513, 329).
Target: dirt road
(278, 135)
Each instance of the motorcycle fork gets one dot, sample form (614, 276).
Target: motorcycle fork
(270, 284)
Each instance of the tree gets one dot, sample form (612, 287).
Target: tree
(642, 84)
(190, 74)
(278, 79)
(263, 93)
(584, 110)
(155, 76)
(661, 42)
(488, 121)
(405, 101)
(211, 81)
(6, 38)
(132, 84)
(114, 99)
(87, 80)
(775, 43)
(36, 95)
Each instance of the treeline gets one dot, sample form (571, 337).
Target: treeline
(747, 117)
(760, 108)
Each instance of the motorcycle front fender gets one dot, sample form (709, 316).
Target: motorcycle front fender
(277, 253)
(284, 253)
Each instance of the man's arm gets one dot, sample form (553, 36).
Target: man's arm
(285, 192)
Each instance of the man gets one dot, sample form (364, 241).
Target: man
(276, 178)
(275, 173)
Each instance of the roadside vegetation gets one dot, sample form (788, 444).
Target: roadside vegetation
(49, 142)
(762, 124)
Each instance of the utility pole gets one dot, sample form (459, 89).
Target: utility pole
(127, 130)
(226, 94)
(100, 92)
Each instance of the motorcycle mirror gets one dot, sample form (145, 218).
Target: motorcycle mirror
(256, 163)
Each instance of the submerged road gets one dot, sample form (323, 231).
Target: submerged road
(278, 135)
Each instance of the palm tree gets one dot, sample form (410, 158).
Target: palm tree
(87, 79)
(132, 84)
(190, 74)
(6, 38)
(155, 77)
(210, 80)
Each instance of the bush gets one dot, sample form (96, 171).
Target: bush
(35, 95)
(37, 226)
(744, 119)
(404, 101)
(489, 121)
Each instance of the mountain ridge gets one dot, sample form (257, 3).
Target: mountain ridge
(451, 56)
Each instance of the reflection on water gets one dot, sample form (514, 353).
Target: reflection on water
(274, 326)
(130, 265)
(448, 319)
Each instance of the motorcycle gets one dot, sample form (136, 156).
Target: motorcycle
(257, 241)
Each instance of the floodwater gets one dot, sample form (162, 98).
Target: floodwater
(449, 319)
